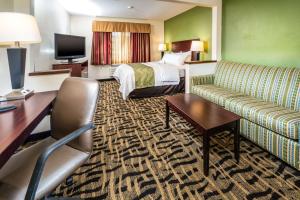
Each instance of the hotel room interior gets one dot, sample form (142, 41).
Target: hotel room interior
(149, 99)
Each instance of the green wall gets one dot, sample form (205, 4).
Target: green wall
(261, 32)
(194, 23)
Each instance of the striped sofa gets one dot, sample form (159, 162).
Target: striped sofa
(268, 99)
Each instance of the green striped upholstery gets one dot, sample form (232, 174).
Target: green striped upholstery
(213, 93)
(268, 99)
(276, 118)
(286, 149)
(274, 84)
(201, 80)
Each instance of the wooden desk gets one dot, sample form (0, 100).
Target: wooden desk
(50, 72)
(17, 125)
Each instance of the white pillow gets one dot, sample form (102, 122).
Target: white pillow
(188, 58)
(175, 58)
(187, 55)
(166, 54)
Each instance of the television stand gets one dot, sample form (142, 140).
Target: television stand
(76, 68)
(69, 62)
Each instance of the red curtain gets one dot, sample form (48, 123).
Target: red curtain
(101, 48)
(140, 47)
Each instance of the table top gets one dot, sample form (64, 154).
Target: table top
(200, 62)
(200, 111)
(16, 125)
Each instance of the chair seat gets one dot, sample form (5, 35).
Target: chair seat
(16, 173)
(214, 93)
(276, 118)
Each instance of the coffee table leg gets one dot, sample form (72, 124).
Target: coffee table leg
(167, 125)
(237, 141)
(206, 154)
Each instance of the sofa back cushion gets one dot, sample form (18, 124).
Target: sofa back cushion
(274, 84)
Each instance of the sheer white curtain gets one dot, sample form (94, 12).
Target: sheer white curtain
(120, 47)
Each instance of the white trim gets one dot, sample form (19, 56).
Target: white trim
(197, 70)
(217, 31)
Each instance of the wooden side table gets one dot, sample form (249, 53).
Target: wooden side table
(208, 118)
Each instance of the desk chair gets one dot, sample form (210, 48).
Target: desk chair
(36, 171)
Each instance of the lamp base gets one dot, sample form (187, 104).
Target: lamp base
(195, 56)
(17, 61)
(16, 95)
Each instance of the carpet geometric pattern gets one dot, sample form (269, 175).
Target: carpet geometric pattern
(134, 157)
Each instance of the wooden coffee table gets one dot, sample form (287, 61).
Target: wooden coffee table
(208, 118)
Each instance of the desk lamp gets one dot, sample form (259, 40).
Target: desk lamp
(17, 29)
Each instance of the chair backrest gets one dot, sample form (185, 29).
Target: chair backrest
(74, 107)
(278, 85)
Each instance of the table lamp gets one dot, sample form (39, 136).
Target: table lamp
(197, 47)
(162, 48)
(17, 29)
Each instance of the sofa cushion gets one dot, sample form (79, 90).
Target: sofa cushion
(282, 147)
(276, 118)
(274, 84)
(213, 93)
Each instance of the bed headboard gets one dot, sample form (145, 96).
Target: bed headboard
(184, 45)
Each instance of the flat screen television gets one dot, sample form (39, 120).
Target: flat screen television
(69, 47)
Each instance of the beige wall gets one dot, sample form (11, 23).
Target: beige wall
(22, 6)
(6, 5)
(15, 6)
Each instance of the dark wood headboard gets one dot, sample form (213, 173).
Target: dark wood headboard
(184, 45)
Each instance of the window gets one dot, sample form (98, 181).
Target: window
(121, 47)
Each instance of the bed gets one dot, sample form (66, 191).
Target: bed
(168, 78)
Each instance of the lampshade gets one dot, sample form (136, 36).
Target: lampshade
(162, 47)
(197, 46)
(17, 27)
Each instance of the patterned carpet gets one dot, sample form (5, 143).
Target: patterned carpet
(135, 157)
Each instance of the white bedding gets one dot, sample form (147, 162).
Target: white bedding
(165, 74)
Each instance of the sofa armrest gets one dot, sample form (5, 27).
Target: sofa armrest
(202, 80)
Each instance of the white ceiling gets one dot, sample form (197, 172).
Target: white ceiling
(142, 9)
